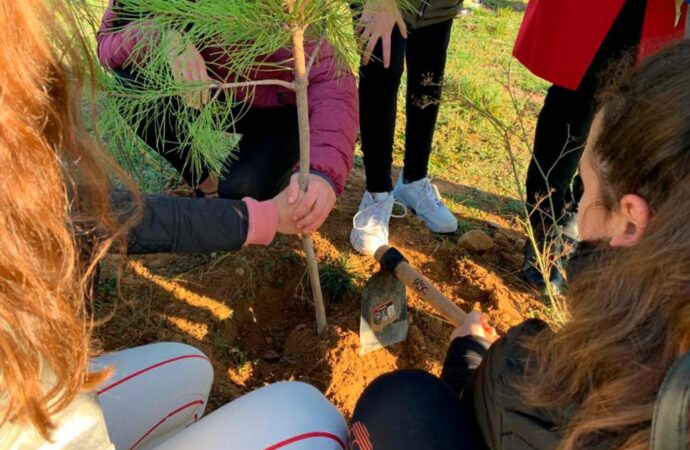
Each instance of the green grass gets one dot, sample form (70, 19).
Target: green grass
(338, 279)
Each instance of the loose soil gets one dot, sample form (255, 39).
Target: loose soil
(250, 311)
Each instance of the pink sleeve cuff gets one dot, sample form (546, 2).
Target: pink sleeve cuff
(262, 221)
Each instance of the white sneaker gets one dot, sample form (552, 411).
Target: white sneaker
(370, 224)
(423, 199)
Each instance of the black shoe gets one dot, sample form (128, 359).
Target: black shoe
(534, 277)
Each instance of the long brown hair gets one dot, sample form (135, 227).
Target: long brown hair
(53, 185)
(630, 310)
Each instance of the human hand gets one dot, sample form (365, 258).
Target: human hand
(311, 208)
(377, 22)
(476, 324)
(285, 211)
(188, 65)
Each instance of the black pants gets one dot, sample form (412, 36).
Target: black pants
(411, 409)
(425, 53)
(564, 122)
(262, 164)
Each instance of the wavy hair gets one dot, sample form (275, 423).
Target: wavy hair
(54, 189)
(630, 310)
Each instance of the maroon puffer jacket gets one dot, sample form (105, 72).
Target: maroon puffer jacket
(333, 104)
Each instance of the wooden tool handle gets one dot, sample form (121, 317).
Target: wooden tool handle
(425, 288)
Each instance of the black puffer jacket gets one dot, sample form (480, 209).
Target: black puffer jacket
(483, 378)
(184, 225)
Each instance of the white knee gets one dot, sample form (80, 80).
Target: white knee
(273, 417)
(156, 389)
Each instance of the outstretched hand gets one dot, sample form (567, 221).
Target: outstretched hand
(313, 207)
(476, 324)
(377, 22)
(188, 65)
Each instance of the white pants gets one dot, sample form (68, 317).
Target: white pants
(159, 392)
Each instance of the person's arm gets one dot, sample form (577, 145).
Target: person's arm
(334, 121)
(464, 355)
(115, 42)
(493, 401)
(198, 225)
(333, 116)
(469, 345)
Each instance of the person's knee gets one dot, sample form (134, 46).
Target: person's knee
(404, 380)
(427, 413)
(396, 388)
(302, 398)
(305, 406)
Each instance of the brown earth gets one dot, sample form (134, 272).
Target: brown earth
(249, 311)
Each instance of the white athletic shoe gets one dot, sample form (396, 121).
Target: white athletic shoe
(423, 199)
(370, 224)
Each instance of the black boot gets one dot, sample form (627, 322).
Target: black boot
(555, 264)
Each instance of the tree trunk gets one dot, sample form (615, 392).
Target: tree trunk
(301, 85)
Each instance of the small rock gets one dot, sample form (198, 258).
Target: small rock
(269, 340)
(513, 260)
(301, 326)
(239, 272)
(502, 240)
(476, 241)
(520, 244)
(271, 356)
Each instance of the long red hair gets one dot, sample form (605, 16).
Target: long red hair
(54, 189)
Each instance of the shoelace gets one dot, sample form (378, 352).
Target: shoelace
(378, 208)
(431, 195)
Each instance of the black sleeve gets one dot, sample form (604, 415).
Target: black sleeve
(186, 225)
(494, 401)
(464, 355)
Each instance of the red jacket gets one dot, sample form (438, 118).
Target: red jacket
(333, 104)
(559, 38)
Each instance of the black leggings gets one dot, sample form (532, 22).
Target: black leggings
(265, 158)
(411, 409)
(564, 123)
(425, 53)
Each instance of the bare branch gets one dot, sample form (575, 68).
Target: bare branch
(243, 84)
(315, 54)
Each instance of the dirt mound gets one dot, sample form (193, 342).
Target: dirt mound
(250, 311)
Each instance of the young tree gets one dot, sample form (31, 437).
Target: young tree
(248, 29)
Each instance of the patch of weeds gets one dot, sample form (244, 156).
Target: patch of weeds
(399, 210)
(338, 279)
(268, 266)
(108, 286)
(290, 258)
(238, 359)
(464, 226)
(218, 341)
(247, 290)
